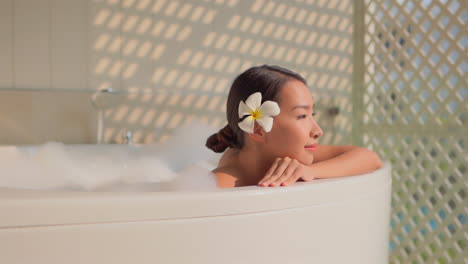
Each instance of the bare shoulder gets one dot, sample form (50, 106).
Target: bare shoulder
(225, 177)
(227, 170)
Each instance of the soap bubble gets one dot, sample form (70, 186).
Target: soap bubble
(181, 163)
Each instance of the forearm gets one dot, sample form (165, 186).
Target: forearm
(352, 162)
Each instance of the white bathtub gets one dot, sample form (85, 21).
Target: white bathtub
(339, 220)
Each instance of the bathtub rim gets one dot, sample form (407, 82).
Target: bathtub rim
(22, 208)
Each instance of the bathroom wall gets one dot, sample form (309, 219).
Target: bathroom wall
(168, 61)
(35, 117)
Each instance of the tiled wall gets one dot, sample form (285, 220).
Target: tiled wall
(44, 46)
(35, 117)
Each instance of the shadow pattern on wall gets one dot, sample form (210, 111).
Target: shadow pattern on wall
(176, 60)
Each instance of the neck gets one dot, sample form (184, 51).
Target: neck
(254, 165)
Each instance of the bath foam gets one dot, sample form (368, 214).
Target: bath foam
(181, 163)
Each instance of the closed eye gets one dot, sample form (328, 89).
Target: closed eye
(304, 116)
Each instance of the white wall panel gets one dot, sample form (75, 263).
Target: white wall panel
(6, 44)
(32, 43)
(69, 46)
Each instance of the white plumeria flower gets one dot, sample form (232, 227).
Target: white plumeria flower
(263, 113)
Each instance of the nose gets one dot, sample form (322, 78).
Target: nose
(316, 131)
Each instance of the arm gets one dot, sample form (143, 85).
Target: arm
(338, 161)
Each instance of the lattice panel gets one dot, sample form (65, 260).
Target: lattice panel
(415, 115)
(196, 48)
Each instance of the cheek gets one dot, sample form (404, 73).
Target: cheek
(287, 137)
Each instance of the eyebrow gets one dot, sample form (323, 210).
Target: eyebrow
(302, 106)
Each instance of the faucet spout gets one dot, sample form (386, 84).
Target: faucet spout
(128, 137)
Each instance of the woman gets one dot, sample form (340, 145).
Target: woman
(272, 138)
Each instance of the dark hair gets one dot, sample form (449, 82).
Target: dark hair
(266, 79)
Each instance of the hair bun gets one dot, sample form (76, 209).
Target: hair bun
(220, 141)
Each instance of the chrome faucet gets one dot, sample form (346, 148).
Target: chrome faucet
(128, 137)
(102, 100)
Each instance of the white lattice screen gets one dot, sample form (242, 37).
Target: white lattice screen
(414, 114)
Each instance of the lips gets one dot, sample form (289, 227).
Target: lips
(311, 147)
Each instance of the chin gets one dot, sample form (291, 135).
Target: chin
(305, 160)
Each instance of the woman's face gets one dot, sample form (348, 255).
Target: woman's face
(294, 129)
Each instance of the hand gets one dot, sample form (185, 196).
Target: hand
(284, 171)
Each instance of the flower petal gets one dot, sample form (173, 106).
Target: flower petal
(243, 109)
(270, 108)
(254, 101)
(266, 122)
(247, 124)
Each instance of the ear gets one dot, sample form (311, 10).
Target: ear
(258, 134)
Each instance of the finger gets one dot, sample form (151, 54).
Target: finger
(286, 174)
(270, 171)
(273, 174)
(294, 177)
(278, 172)
(293, 165)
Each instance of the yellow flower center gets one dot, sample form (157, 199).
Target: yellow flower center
(256, 114)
